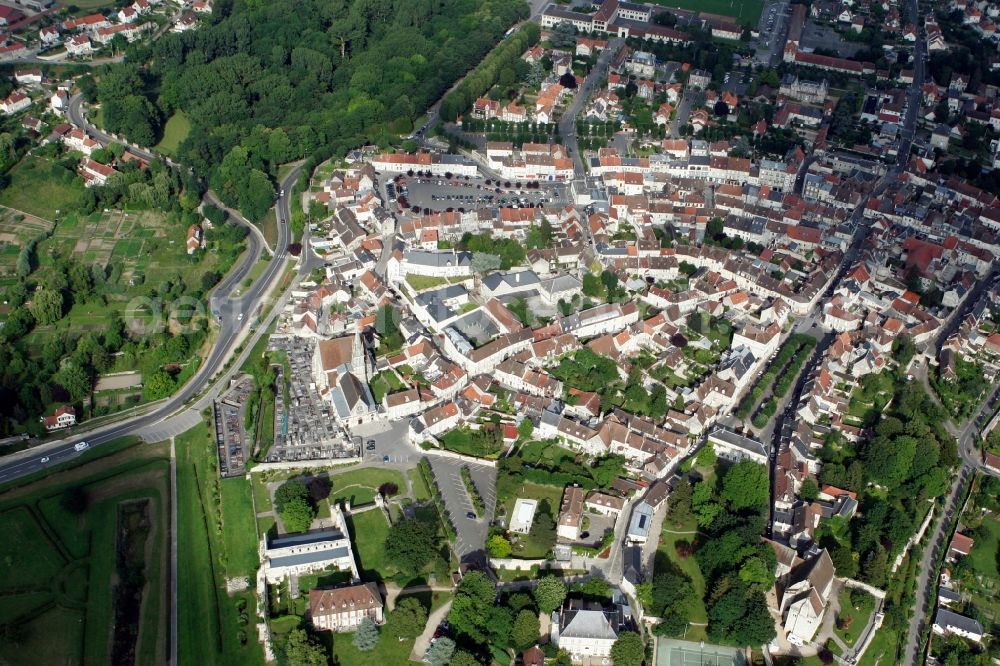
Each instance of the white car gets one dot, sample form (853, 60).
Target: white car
(44, 460)
(81, 446)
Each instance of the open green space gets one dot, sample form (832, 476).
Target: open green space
(368, 532)
(210, 628)
(238, 527)
(882, 650)
(419, 486)
(422, 282)
(59, 604)
(667, 547)
(388, 651)
(41, 187)
(175, 131)
(853, 617)
(983, 558)
(485, 442)
(361, 485)
(746, 12)
(537, 543)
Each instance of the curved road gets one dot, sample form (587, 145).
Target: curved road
(231, 326)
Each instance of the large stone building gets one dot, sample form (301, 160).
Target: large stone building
(309, 552)
(343, 608)
(587, 630)
(341, 369)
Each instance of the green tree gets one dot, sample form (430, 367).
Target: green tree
(628, 650)
(407, 619)
(158, 385)
(297, 515)
(47, 306)
(288, 491)
(873, 570)
(607, 469)
(410, 545)
(592, 286)
(525, 631)
(75, 380)
(498, 546)
(746, 485)
(300, 650)
(470, 609)
(679, 504)
(550, 594)
(440, 653)
(366, 637)
(464, 658)
(809, 490)
(74, 500)
(706, 456)
(524, 429)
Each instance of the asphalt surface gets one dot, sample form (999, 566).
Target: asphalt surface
(230, 328)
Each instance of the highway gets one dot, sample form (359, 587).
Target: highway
(231, 327)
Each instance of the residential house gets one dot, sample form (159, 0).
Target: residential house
(343, 608)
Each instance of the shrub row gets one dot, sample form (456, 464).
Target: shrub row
(474, 496)
(428, 474)
(789, 351)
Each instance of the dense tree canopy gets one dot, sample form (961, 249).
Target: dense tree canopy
(410, 545)
(289, 79)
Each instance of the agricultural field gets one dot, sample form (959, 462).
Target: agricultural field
(745, 12)
(16, 229)
(57, 598)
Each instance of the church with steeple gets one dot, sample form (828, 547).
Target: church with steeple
(342, 369)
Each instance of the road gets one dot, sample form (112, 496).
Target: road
(235, 319)
(567, 123)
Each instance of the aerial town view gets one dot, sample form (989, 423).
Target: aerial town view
(500, 332)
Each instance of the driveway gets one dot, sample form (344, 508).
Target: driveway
(424, 640)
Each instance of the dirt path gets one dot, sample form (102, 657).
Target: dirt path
(424, 640)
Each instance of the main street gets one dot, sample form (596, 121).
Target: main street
(232, 328)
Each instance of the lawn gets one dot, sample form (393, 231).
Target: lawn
(882, 650)
(174, 132)
(858, 614)
(983, 558)
(209, 630)
(370, 549)
(421, 282)
(666, 548)
(420, 490)
(49, 638)
(41, 187)
(360, 486)
(744, 11)
(261, 496)
(479, 443)
(238, 527)
(388, 651)
(528, 546)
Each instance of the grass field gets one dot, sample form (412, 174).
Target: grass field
(669, 536)
(527, 546)
(859, 615)
(388, 651)
(175, 131)
(209, 623)
(59, 605)
(370, 548)
(16, 229)
(744, 11)
(40, 187)
(238, 527)
(360, 486)
(420, 490)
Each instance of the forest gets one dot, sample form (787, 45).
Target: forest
(269, 83)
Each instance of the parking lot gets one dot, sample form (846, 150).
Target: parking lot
(439, 194)
(471, 532)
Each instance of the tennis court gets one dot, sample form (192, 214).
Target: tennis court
(672, 652)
